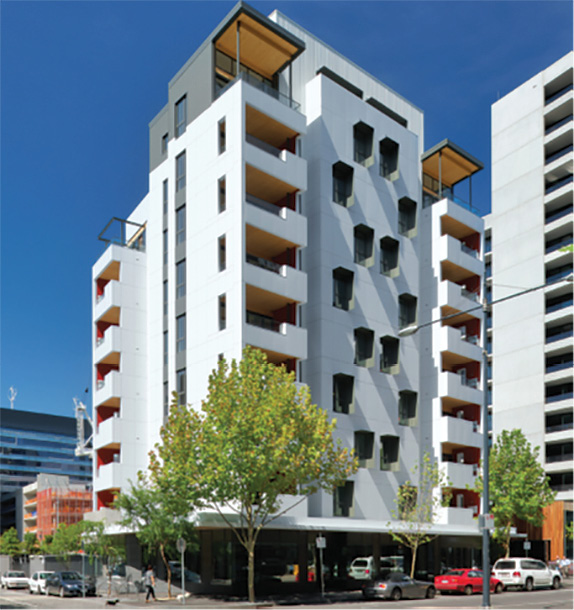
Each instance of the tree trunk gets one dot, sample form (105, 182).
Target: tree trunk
(251, 570)
(162, 552)
(414, 560)
(507, 542)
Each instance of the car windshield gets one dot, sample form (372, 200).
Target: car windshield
(16, 575)
(360, 563)
(44, 575)
(454, 573)
(67, 576)
(504, 565)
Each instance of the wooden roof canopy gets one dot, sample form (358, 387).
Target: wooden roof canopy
(263, 45)
(455, 163)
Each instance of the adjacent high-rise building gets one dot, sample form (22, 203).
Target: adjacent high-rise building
(529, 241)
(291, 207)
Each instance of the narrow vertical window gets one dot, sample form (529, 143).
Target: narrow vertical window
(407, 310)
(181, 387)
(364, 347)
(363, 144)
(221, 136)
(407, 217)
(389, 151)
(180, 116)
(343, 502)
(165, 248)
(222, 253)
(389, 257)
(164, 196)
(165, 399)
(365, 448)
(222, 195)
(222, 312)
(390, 453)
(165, 346)
(164, 140)
(407, 408)
(180, 172)
(364, 242)
(165, 298)
(180, 279)
(343, 289)
(342, 184)
(390, 355)
(180, 225)
(343, 391)
(180, 333)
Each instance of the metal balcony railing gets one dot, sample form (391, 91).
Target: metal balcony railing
(263, 263)
(558, 94)
(266, 322)
(558, 124)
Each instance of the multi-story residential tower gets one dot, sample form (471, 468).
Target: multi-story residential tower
(529, 227)
(285, 212)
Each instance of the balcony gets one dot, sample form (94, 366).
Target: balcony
(460, 431)
(454, 253)
(281, 222)
(109, 476)
(451, 385)
(283, 165)
(549, 101)
(108, 347)
(108, 389)
(107, 307)
(462, 517)
(454, 342)
(271, 336)
(460, 475)
(282, 280)
(109, 432)
(453, 298)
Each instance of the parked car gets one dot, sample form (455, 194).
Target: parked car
(14, 580)
(467, 581)
(68, 584)
(396, 585)
(526, 573)
(37, 582)
(363, 568)
(175, 567)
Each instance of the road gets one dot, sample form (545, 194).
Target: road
(509, 600)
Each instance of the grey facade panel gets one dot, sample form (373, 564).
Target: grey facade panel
(157, 129)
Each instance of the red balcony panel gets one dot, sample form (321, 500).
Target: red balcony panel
(106, 498)
(289, 257)
(106, 455)
(472, 241)
(286, 314)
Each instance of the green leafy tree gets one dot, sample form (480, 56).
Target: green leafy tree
(67, 540)
(157, 522)
(519, 487)
(256, 442)
(418, 505)
(30, 544)
(10, 543)
(110, 550)
(46, 544)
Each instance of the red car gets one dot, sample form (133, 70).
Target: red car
(465, 581)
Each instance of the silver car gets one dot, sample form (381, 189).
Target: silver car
(396, 585)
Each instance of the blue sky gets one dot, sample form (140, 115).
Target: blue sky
(81, 80)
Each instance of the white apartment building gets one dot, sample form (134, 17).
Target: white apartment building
(530, 223)
(285, 211)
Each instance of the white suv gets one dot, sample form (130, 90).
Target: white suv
(526, 573)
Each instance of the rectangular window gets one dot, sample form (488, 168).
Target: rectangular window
(180, 225)
(389, 257)
(407, 217)
(180, 172)
(180, 116)
(343, 289)
(364, 448)
(389, 151)
(364, 241)
(407, 310)
(222, 195)
(180, 333)
(221, 136)
(343, 388)
(165, 346)
(390, 355)
(363, 144)
(407, 408)
(181, 387)
(343, 501)
(165, 298)
(364, 343)
(165, 247)
(390, 453)
(180, 279)
(222, 253)
(165, 196)
(164, 141)
(222, 312)
(165, 399)
(343, 184)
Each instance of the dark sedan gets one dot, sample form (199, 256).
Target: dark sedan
(68, 584)
(396, 585)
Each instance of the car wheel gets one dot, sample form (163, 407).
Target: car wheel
(31, 591)
(431, 592)
(397, 594)
(468, 590)
(556, 583)
(62, 592)
(498, 588)
(528, 585)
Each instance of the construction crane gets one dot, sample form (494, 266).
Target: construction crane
(82, 442)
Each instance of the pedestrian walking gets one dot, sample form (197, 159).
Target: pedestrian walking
(149, 582)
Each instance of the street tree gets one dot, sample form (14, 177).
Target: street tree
(519, 487)
(10, 543)
(257, 448)
(417, 506)
(109, 549)
(156, 520)
(30, 544)
(67, 540)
